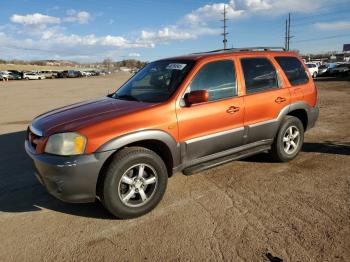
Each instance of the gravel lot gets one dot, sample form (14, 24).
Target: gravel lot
(243, 211)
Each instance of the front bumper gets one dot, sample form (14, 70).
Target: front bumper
(70, 179)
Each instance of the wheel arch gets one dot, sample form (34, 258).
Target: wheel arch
(158, 141)
(300, 110)
(301, 114)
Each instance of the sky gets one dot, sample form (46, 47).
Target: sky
(91, 30)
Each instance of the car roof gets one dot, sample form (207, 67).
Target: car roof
(233, 52)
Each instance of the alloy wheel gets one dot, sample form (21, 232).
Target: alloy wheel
(137, 185)
(291, 140)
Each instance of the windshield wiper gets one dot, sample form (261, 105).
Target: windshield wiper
(126, 97)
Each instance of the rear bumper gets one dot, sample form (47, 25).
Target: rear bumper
(312, 115)
(70, 179)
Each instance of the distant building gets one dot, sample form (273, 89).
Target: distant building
(346, 48)
(125, 69)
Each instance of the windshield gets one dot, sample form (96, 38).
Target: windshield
(156, 82)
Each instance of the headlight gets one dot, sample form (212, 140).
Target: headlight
(66, 144)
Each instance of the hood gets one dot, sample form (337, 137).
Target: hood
(76, 116)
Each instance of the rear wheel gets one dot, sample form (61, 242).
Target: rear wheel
(135, 182)
(289, 140)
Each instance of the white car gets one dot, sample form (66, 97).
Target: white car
(5, 74)
(313, 69)
(86, 73)
(33, 76)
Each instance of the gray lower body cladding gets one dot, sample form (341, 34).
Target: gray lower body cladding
(312, 115)
(70, 179)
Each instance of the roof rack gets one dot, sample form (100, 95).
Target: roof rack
(242, 49)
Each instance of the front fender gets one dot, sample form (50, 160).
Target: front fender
(138, 136)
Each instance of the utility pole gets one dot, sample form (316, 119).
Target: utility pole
(288, 46)
(225, 28)
(286, 36)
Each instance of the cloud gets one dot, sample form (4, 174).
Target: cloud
(134, 54)
(165, 34)
(338, 25)
(49, 35)
(34, 19)
(211, 12)
(81, 17)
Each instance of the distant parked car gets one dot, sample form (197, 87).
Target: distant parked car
(86, 73)
(313, 69)
(14, 76)
(94, 73)
(2, 77)
(326, 69)
(62, 74)
(15, 72)
(74, 73)
(48, 74)
(341, 70)
(5, 74)
(33, 76)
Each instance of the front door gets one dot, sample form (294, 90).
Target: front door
(216, 125)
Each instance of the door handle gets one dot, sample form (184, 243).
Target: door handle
(232, 109)
(279, 100)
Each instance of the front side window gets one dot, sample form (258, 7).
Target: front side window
(218, 78)
(259, 75)
(293, 69)
(156, 82)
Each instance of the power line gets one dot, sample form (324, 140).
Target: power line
(322, 18)
(321, 38)
(225, 33)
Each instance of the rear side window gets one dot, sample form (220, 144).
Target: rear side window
(259, 74)
(293, 69)
(218, 78)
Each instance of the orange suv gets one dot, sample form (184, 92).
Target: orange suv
(186, 114)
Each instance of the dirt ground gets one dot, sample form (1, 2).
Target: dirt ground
(246, 210)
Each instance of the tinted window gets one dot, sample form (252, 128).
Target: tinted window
(218, 78)
(293, 69)
(259, 74)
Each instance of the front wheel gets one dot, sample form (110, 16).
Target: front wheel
(289, 140)
(134, 183)
(314, 75)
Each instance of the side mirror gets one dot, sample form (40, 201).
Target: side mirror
(197, 97)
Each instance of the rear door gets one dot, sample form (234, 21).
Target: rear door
(297, 80)
(265, 97)
(216, 125)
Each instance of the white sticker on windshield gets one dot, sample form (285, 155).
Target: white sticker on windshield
(175, 66)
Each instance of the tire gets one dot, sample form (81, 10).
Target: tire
(280, 151)
(314, 75)
(27, 78)
(121, 192)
